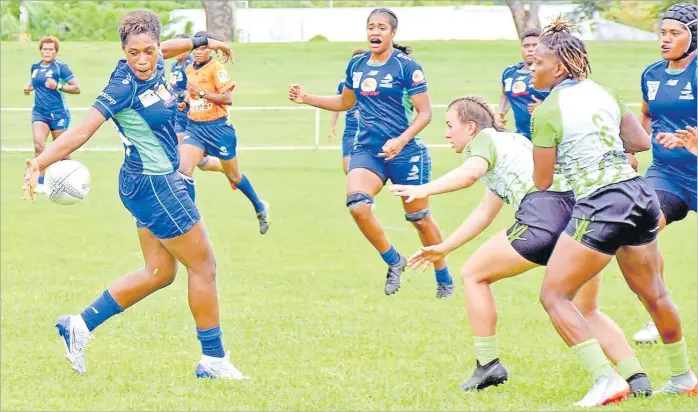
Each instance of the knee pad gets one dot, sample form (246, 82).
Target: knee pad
(357, 199)
(189, 182)
(417, 216)
(673, 207)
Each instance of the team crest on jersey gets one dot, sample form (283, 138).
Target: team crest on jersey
(356, 78)
(387, 81)
(417, 77)
(368, 87)
(687, 92)
(519, 87)
(652, 88)
(222, 76)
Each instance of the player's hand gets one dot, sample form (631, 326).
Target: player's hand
(296, 93)
(193, 89)
(501, 118)
(51, 83)
(392, 148)
(31, 179)
(426, 255)
(634, 162)
(688, 137)
(532, 106)
(27, 90)
(669, 140)
(181, 106)
(330, 136)
(221, 48)
(409, 192)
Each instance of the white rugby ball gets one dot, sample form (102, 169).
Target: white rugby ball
(67, 182)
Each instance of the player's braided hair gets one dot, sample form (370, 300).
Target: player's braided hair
(139, 22)
(476, 109)
(569, 49)
(392, 19)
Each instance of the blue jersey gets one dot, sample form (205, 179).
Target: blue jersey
(47, 101)
(351, 123)
(671, 99)
(383, 92)
(518, 88)
(143, 112)
(178, 76)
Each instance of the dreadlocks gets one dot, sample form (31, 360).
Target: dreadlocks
(476, 109)
(567, 48)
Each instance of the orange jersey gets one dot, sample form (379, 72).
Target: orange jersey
(212, 77)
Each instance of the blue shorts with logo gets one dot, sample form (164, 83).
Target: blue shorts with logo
(348, 141)
(159, 203)
(216, 138)
(55, 121)
(181, 121)
(412, 166)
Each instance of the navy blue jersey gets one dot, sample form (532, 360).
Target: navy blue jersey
(47, 101)
(178, 76)
(672, 105)
(517, 86)
(143, 112)
(351, 122)
(383, 92)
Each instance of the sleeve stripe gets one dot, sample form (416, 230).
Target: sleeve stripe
(105, 106)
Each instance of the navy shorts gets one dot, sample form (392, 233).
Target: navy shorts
(159, 203)
(674, 199)
(181, 121)
(540, 220)
(412, 166)
(622, 214)
(216, 138)
(55, 121)
(348, 139)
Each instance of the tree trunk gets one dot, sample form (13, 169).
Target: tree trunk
(220, 18)
(524, 19)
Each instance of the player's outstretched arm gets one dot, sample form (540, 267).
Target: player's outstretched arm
(336, 103)
(634, 136)
(172, 47)
(70, 141)
(459, 178)
(71, 87)
(476, 223)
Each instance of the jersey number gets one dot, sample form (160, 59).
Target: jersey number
(603, 130)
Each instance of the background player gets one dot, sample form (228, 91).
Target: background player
(50, 78)
(517, 91)
(387, 85)
(178, 81)
(170, 228)
(351, 125)
(208, 131)
(589, 147)
(669, 104)
(504, 162)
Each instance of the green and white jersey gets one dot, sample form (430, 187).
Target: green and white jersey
(582, 119)
(510, 159)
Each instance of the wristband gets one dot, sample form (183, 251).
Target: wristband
(198, 42)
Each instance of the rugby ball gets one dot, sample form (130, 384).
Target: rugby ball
(67, 182)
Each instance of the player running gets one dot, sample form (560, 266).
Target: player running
(208, 131)
(178, 81)
(504, 163)
(50, 79)
(517, 91)
(669, 104)
(170, 228)
(351, 125)
(586, 128)
(386, 85)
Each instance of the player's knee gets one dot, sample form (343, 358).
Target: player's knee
(163, 275)
(419, 219)
(359, 204)
(549, 297)
(39, 147)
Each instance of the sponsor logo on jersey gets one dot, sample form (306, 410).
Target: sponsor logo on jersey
(414, 159)
(368, 87)
(414, 173)
(417, 77)
(387, 81)
(108, 98)
(356, 79)
(652, 88)
(372, 73)
(672, 82)
(222, 76)
(687, 92)
(518, 88)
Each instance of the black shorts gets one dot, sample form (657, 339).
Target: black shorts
(622, 214)
(540, 220)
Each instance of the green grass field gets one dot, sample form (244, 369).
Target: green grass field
(303, 309)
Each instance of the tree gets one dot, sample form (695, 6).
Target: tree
(220, 18)
(525, 18)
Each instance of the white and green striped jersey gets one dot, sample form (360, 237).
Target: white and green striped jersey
(582, 120)
(510, 159)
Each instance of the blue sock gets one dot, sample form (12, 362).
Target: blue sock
(443, 277)
(100, 310)
(246, 188)
(211, 341)
(391, 257)
(41, 180)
